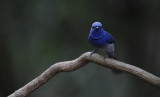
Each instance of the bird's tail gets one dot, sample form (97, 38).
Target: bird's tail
(112, 55)
(116, 71)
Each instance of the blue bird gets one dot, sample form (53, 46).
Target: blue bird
(102, 40)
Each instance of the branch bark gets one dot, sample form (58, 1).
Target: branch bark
(69, 66)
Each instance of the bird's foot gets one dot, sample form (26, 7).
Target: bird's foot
(116, 71)
(93, 51)
(105, 56)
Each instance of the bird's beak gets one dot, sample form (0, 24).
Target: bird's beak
(97, 28)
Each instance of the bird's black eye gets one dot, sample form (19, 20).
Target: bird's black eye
(96, 26)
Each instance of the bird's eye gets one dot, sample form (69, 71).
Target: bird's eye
(96, 26)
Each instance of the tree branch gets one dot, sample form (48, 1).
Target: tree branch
(69, 66)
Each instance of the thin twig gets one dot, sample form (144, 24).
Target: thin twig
(69, 66)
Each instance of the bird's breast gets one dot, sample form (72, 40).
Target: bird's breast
(99, 43)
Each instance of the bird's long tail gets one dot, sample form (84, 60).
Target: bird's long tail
(112, 55)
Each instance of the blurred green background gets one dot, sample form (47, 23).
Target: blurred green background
(34, 34)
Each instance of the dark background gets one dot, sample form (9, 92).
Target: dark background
(34, 34)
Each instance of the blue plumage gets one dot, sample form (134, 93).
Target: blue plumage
(101, 39)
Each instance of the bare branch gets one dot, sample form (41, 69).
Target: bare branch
(69, 66)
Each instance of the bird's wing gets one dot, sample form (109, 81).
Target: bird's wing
(110, 39)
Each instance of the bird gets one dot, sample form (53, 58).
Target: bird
(101, 40)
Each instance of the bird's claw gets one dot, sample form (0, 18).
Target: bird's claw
(93, 52)
(105, 56)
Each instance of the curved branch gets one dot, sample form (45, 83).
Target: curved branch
(69, 66)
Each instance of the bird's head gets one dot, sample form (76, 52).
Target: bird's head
(96, 26)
